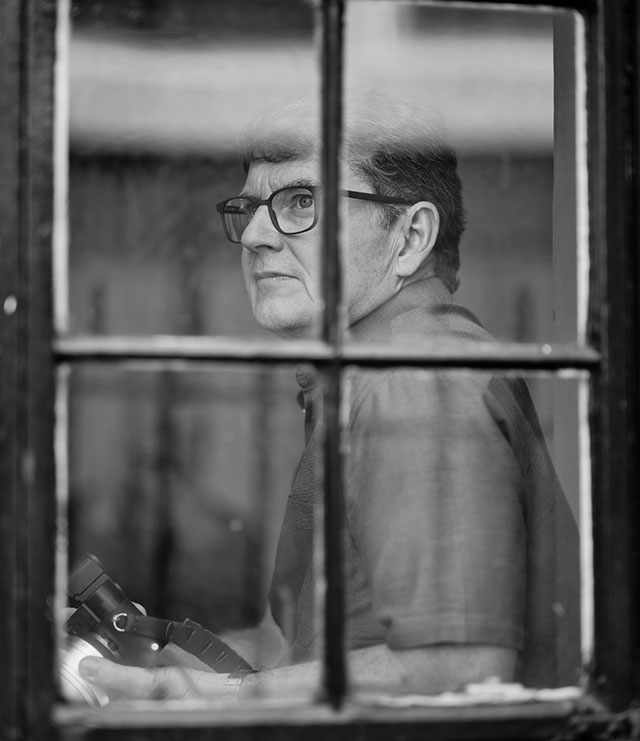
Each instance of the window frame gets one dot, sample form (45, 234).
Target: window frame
(30, 353)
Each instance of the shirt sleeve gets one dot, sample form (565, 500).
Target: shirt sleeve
(433, 499)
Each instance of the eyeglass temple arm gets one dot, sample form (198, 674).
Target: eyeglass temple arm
(374, 197)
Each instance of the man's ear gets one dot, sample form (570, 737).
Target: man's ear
(420, 227)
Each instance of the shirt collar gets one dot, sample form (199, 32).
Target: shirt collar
(414, 297)
(378, 326)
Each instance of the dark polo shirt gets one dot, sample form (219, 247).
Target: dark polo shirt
(457, 530)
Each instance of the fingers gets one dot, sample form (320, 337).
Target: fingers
(158, 683)
(66, 612)
(134, 682)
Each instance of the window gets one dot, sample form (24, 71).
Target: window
(88, 361)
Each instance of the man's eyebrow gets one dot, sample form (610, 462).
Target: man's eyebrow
(297, 183)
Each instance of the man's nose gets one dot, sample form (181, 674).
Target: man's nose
(261, 232)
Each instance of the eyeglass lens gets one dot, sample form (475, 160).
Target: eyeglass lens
(292, 211)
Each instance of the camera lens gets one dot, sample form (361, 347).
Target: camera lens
(72, 686)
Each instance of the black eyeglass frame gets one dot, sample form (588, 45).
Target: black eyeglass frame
(313, 189)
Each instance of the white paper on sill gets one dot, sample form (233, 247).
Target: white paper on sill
(484, 693)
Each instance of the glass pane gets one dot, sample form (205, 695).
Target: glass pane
(159, 93)
(502, 90)
(465, 496)
(180, 483)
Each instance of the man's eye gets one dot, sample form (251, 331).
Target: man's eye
(304, 200)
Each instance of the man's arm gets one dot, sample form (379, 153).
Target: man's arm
(262, 646)
(428, 670)
(431, 669)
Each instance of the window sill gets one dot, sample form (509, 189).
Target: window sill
(268, 719)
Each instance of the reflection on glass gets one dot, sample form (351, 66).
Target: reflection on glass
(503, 84)
(179, 485)
(462, 511)
(158, 96)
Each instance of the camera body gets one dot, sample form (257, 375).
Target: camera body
(102, 607)
(106, 623)
(97, 628)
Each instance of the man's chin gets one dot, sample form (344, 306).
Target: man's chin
(288, 327)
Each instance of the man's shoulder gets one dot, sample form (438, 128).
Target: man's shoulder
(439, 323)
(422, 311)
(422, 314)
(404, 393)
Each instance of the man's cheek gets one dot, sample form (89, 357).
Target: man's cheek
(249, 283)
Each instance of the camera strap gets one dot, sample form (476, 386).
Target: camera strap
(188, 635)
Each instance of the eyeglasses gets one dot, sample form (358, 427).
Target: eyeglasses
(293, 210)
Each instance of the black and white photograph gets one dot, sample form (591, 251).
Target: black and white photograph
(319, 369)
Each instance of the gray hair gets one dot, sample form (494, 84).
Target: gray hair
(399, 149)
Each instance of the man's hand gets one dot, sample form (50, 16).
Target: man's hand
(156, 683)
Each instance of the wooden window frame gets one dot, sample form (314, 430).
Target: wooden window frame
(30, 353)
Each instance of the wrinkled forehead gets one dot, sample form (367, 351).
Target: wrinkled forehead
(285, 130)
(264, 177)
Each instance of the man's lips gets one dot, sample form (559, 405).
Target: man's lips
(272, 275)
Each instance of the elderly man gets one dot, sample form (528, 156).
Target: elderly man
(461, 552)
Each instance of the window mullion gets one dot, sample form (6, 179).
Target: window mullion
(220, 349)
(10, 398)
(332, 14)
(616, 512)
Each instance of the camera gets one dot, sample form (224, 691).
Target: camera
(106, 623)
(98, 628)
